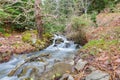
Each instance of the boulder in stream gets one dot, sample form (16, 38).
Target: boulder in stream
(59, 68)
(59, 40)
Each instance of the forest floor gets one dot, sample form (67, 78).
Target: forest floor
(103, 47)
(19, 43)
(13, 44)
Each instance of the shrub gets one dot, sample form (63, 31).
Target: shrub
(3, 14)
(93, 17)
(53, 27)
(29, 35)
(80, 27)
(2, 30)
(79, 22)
(17, 15)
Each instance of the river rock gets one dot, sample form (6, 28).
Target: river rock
(58, 68)
(92, 68)
(46, 55)
(98, 75)
(66, 77)
(58, 41)
(80, 64)
(70, 77)
(67, 45)
(71, 62)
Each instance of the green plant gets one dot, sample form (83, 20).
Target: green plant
(96, 46)
(96, 5)
(7, 34)
(26, 37)
(93, 17)
(53, 27)
(79, 22)
(18, 14)
(3, 14)
(2, 30)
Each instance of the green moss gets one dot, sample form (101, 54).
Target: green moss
(2, 29)
(0, 44)
(47, 35)
(95, 46)
(55, 76)
(39, 44)
(17, 45)
(31, 38)
(28, 78)
(93, 43)
(100, 43)
(26, 37)
(29, 35)
(7, 34)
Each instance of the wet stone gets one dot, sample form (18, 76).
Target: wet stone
(64, 77)
(58, 41)
(80, 64)
(98, 75)
(46, 55)
(70, 77)
(59, 68)
(92, 68)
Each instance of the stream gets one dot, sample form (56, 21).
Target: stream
(35, 65)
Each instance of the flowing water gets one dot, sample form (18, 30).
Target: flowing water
(22, 66)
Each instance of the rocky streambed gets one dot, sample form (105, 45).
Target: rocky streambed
(56, 62)
(46, 64)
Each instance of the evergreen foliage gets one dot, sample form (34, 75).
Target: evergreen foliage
(56, 14)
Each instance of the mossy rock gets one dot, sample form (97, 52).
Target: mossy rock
(31, 38)
(28, 36)
(57, 70)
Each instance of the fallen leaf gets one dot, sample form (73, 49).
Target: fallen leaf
(117, 60)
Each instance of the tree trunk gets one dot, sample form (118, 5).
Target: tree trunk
(38, 18)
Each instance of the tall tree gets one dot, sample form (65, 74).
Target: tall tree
(38, 18)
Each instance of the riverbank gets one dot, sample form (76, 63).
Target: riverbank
(101, 50)
(21, 43)
(103, 53)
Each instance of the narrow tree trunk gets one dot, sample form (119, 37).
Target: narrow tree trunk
(38, 18)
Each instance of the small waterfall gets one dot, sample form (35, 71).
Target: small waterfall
(63, 44)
